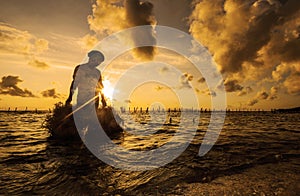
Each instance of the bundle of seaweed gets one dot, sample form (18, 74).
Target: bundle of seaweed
(60, 123)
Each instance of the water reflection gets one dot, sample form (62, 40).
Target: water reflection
(31, 163)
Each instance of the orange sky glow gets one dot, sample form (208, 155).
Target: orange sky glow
(255, 46)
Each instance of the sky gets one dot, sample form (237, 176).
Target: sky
(254, 44)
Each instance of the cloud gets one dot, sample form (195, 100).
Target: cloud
(281, 72)
(235, 31)
(211, 93)
(201, 80)
(127, 101)
(51, 93)
(292, 84)
(41, 45)
(288, 74)
(38, 64)
(284, 40)
(88, 41)
(9, 86)
(107, 18)
(15, 41)
(263, 95)
(252, 102)
(18, 42)
(112, 16)
(251, 40)
(232, 86)
(159, 88)
(137, 14)
(207, 92)
(245, 91)
(185, 80)
(273, 93)
(164, 69)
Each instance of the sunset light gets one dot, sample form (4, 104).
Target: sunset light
(150, 97)
(108, 89)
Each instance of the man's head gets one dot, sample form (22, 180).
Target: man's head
(95, 57)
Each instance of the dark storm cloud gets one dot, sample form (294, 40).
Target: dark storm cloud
(141, 13)
(243, 29)
(250, 41)
(9, 86)
(112, 16)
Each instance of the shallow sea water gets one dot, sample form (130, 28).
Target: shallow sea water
(33, 163)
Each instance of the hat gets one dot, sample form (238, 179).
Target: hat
(95, 53)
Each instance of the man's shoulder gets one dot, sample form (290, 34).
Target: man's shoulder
(76, 70)
(81, 66)
(77, 67)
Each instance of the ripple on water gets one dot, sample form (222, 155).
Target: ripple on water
(31, 163)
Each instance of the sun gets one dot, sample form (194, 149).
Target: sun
(107, 90)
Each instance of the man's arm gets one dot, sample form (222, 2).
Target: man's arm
(68, 101)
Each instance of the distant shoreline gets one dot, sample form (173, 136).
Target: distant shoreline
(288, 110)
(26, 111)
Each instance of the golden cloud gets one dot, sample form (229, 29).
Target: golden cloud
(38, 64)
(18, 42)
(51, 93)
(251, 40)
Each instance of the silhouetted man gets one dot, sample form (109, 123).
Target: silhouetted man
(88, 82)
(87, 79)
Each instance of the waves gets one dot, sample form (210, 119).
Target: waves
(31, 163)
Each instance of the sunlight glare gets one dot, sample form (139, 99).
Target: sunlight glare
(107, 89)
